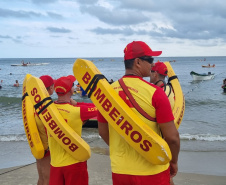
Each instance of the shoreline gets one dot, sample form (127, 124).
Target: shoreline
(206, 163)
(99, 174)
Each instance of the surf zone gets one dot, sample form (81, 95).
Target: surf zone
(52, 126)
(117, 118)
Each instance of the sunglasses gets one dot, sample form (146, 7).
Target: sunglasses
(152, 71)
(148, 59)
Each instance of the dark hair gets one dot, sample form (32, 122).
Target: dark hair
(129, 63)
(48, 88)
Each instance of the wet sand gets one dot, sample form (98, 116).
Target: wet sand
(99, 174)
(195, 168)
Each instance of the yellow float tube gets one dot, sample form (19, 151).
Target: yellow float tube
(140, 136)
(179, 104)
(54, 122)
(30, 127)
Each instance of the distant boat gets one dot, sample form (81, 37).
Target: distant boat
(203, 76)
(208, 66)
(30, 64)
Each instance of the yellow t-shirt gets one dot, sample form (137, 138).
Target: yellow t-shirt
(124, 158)
(59, 156)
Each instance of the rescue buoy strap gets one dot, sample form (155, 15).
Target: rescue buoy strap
(163, 81)
(169, 83)
(41, 102)
(43, 108)
(172, 78)
(24, 96)
(133, 101)
(93, 83)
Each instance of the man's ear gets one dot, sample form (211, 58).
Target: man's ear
(137, 61)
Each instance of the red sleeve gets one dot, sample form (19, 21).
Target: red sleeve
(162, 105)
(87, 112)
(83, 103)
(101, 118)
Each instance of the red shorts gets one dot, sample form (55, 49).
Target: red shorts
(162, 178)
(47, 153)
(75, 174)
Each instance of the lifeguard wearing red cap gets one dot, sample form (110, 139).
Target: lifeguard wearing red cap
(160, 68)
(64, 84)
(47, 80)
(138, 49)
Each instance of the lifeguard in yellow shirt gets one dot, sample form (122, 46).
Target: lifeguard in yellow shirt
(128, 166)
(43, 165)
(65, 169)
(157, 76)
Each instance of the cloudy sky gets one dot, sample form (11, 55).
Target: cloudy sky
(102, 28)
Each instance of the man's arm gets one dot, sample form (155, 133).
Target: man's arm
(171, 136)
(103, 131)
(87, 112)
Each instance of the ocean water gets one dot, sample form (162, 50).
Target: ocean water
(203, 126)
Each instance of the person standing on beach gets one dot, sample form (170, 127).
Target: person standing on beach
(65, 169)
(128, 166)
(157, 76)
(43, 165)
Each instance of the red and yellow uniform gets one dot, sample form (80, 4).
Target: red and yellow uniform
(43, 132)
(65, 169)
(124, 158)
(74, 117)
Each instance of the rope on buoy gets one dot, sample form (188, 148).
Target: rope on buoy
(194, 88)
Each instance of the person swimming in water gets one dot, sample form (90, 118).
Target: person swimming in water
(16, 84)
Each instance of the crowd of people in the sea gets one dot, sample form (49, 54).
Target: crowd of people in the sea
(77, 89)
(14, 85)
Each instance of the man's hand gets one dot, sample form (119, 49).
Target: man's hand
(173, 169)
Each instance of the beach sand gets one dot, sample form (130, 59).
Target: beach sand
(99, 174)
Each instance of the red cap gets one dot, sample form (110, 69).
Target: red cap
(160, 68)
(138, 49)
(47, 80)
(64, 84)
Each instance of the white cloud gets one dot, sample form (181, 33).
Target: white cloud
(98, 28)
